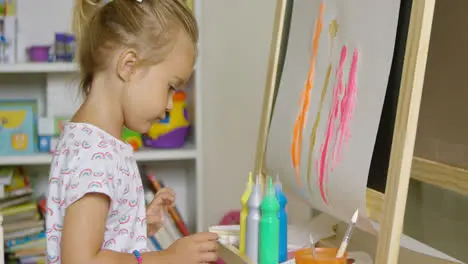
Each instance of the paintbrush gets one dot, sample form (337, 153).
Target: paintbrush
(348, 234)
(312, 245)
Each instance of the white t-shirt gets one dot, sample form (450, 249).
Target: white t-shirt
(89, 160)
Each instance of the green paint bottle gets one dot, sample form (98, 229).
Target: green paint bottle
(269, 227)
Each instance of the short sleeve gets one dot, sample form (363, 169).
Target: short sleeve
(92, 174)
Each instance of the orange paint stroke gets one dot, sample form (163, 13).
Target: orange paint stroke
(348, 102)
(322, 162)
(296, 146)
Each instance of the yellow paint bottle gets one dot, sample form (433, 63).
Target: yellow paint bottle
(244, 212)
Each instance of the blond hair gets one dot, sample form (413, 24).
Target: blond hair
(148, 26)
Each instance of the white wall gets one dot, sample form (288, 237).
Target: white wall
(40, 20)
(235, 43)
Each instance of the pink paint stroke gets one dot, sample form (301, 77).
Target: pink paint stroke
(322, 163)
(339, 102)
(348, 104)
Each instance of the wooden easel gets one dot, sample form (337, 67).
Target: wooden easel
(394, 200)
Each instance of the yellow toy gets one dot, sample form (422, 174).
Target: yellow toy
(172, 131)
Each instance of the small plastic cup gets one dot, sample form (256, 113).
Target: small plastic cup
(322, 256)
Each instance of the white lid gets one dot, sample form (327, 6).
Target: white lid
(46, 126)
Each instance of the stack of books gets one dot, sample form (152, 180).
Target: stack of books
(174, 227)
(23, 224)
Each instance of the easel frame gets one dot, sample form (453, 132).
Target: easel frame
(401, 157)
(404, 135)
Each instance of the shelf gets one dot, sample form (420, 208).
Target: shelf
(38, 67)
(188, 152)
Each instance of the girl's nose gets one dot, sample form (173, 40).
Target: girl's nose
(170, 105)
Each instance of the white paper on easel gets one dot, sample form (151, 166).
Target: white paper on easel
(345, 133)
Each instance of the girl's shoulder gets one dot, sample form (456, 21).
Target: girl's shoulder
(84, 143)
(89, 160)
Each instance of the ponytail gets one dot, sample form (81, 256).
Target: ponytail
(83, 12)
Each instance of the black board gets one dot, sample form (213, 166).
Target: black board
(380, 159)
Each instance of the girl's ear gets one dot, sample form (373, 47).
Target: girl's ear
(126, 65)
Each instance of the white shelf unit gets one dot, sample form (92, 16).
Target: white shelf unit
(188, 152)
(55, 87)
(38, 67)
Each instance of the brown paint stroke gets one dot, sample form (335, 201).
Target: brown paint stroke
(333, 28)
(313, 135)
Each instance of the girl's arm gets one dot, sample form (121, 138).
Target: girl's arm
(83, 233)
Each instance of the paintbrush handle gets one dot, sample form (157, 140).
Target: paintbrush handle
(342, 249)
(344, 243)
(349, 232)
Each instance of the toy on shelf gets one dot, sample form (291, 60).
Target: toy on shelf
(16, 130)
(64, 47)
(59, 123)
(172, 131)
(133, 138)
(8, 30)
(19, 182)
(3, 42)
(46, 131)
(63, 50)
(39, 53)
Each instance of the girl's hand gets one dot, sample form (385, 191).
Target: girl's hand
(200, 248)
(156, 211)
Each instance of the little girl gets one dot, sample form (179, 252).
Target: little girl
(133, 55)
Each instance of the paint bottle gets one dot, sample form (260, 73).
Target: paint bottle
(70, 46)
(59, 46)
(269, 227)
(283, 221)
(253, 222)
(244, 212)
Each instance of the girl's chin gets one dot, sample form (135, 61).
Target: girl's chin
(143, 128)
(155, 121)
(151, 123)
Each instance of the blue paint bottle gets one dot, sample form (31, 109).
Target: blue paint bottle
(283, 221)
